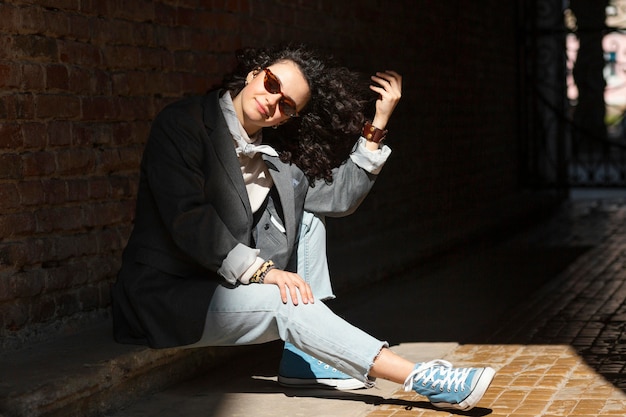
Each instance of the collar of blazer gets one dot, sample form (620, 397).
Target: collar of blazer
(281, 174)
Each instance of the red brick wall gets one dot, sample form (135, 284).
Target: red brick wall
(80, 81)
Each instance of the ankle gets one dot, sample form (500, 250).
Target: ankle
(390, 366)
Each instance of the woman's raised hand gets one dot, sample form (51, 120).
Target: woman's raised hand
(388, 85)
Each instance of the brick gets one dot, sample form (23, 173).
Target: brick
(59, 133)
(24, 106)
(114, 160)
(55, 191)
(11, 136)
(64, 277)
(13, 254)
(122, 133)
(60, 5)
(101, 82)
(138, 10)
(121, 56)
(9, 75)
(11, 20)
(171, 38)
(141, 130)
(108, 213)
(78, 53)
(99, 108)
(17, 106)
(75, 161)
(136, 108)
(57, 77)
(31, 193)
(66, 247)
(120, 84)
(37, 251)
(78, 190)
(57, 106)
(6, 47)
(14, 316)
(82, 134)
(38, 164)
(27, 283)
(110, 240)
(66, 305)
(143, 35)
(80, 80)
(56, 24)
(134, 82)
(57, 219)
(34, 47)
(185, 16)
(99, 188)
(153, 59)
(10, 167)
(32, 21)
(80, 27)
(112, 32)
(96, 7)
(89, 298)
(121, 187)
(35, 135)
(87, 244)
(17, 224)
(165, 14)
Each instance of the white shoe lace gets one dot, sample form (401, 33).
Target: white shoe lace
(450, 378)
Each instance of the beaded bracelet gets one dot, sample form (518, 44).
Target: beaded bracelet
(259, 275)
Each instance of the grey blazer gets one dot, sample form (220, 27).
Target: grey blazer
(192, 210)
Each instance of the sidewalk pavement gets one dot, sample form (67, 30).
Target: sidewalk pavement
(546, 308)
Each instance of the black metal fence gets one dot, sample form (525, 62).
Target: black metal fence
(566, 142)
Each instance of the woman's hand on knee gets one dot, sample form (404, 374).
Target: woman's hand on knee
(289, 282)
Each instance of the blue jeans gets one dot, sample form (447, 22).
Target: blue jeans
(252, 314)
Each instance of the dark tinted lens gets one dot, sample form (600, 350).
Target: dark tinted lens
(287, 107)
(271, 83)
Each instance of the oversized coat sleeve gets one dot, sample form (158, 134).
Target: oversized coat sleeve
(343, 195)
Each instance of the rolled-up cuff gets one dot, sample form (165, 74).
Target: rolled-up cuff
(245, 278)
(371, 161)
(238, 261)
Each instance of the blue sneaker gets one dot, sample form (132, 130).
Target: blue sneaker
(448, 387)
(300, 370)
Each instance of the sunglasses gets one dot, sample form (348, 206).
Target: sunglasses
(272, 85)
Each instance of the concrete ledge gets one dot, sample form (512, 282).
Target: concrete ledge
(87, 374)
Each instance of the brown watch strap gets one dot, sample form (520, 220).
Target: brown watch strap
(372, 133)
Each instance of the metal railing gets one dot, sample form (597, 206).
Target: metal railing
(565, 143)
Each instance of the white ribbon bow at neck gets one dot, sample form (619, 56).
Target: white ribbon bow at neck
(250, 149)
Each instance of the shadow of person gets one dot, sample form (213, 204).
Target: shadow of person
(377, 400)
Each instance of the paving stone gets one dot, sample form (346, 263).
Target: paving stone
(531, 380)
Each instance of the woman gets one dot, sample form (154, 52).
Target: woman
(211, 257)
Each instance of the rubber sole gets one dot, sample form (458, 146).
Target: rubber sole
(327, 383)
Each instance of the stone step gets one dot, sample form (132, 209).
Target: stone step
(87, 373)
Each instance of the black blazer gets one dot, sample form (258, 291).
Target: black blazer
(192, 210)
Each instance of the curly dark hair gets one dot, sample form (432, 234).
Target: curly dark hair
(329, 125)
